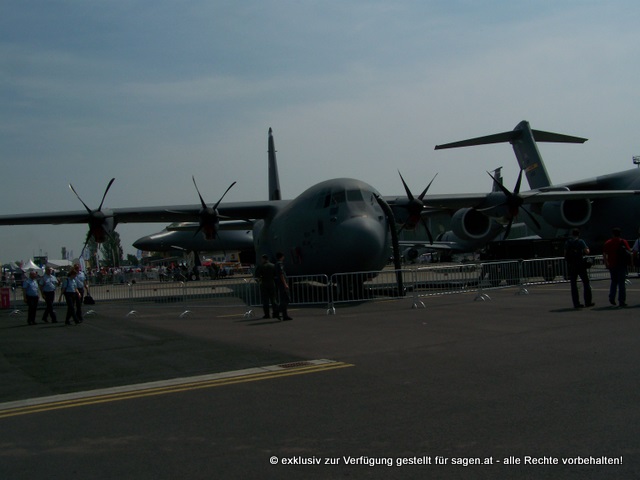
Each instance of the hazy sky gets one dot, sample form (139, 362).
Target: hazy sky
(152, 92)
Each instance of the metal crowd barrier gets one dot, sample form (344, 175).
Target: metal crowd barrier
(320, 290)
(303, 290)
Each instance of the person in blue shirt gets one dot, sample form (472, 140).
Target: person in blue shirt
(81, 285)
(71, 295)
(31, 294)
(48, 284)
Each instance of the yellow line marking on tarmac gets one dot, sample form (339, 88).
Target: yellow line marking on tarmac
(94, 397)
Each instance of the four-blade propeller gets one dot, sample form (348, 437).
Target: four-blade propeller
(512, 202)
(414, 208)
(209, 216)
(100, 224)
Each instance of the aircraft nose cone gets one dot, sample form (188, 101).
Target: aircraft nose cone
(145, 243)
(364, 242)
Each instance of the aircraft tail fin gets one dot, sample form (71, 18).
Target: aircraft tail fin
(523, 140)
(274, 178)
(497, 175)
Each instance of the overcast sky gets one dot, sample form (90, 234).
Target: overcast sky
(152, 92)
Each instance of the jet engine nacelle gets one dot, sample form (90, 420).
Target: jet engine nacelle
(470, 224)
(411, 254)
(567, 213)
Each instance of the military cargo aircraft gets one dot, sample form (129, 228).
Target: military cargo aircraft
(339, 225)
(594, 216)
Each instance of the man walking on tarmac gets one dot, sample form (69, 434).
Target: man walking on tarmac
(617, 255)
(574, 251)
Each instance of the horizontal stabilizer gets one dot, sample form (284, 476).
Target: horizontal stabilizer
(540, 136)
(487, 140)
(511, 136)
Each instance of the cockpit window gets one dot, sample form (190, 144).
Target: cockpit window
(338, 197)
(334, 199)
(355, 196)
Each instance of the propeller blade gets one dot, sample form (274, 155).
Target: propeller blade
(76, 194)
(204, 205)
(517, 189)
(105, 194)
(229, 188)
(406, 187)
(428, 231)
(533, 219)
(506, 234)
(86, 242)
(500, 186)
(424, 192)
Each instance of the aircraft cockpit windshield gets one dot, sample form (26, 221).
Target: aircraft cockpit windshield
(334, 199)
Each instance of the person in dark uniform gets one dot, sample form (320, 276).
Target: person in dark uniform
(48, 284)
(31, 295)
(265, 274)
(283, 288)
(574, 251)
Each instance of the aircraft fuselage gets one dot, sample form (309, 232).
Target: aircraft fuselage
(334, 226)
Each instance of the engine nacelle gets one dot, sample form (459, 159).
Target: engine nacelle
(470, 224)
(567, 213)
(101, 226)
(411, 254)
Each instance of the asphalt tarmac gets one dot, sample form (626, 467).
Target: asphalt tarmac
(521, 386)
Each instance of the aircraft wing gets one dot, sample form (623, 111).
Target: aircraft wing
(538, 196)
(167, 214)
(50, 218)
(480, 200)
(262, 209)
(177, 213)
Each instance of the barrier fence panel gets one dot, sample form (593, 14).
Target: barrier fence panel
(446, 279)
(555, 270)
(236, 291)
(309, 290)
(361, 286)
(598, 271)
(500, 274)
(303, 290)
(544, 270)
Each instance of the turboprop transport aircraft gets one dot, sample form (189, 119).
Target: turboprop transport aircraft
(339, 225)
